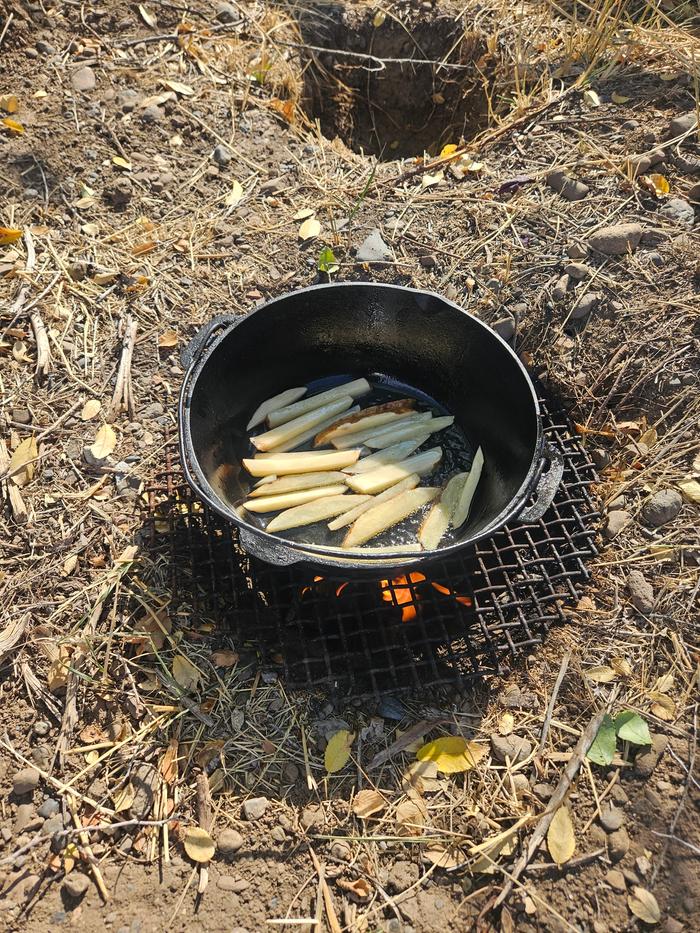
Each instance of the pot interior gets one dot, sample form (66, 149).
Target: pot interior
(411, 342)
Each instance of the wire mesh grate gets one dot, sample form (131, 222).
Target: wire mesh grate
(466, 617)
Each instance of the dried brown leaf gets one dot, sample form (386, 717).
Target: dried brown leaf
(368, 802)
(644, 905)
(22, 462)
(410, 818)
(104, 443)
(561, 840)
(90, 409)
(185, 673)
(359, 887)
(198, 844)
(224, 658)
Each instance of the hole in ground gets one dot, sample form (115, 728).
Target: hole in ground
(392, 109)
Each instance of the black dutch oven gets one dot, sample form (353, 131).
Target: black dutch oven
(416, 338)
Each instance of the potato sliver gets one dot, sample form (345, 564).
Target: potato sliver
(387, 514)
(313, 512)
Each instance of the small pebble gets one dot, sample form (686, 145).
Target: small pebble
(49, 807)
(513, 747)
(543, 791)
(617, 522)
(226, 883)
(505, 328)
(222, 155)
(373, 249)
(662, 507)
(577, 271)
(683, 124)
(588, 303)
(24, 818)
(228, 842)
(341, 850)
(616, 880)
(641, 591)
(41, 727)
(576, 250)
(611, 818)
(83, 79)
(278, 834)
(679, 211)
(618, 844)
(648, 757)
(152, 114)
(616, 240)
(571, 189)
(254, 808)
(76, 884)
(25, 781)
(560, 289)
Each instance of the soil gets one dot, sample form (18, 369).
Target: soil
(133, 214)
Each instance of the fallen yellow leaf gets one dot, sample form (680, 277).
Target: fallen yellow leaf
(167, 339)
(235, 194)
(198, 844)
(121, 162)
(309, 229)
(447, 150)
(185, 673)
(9, 103)
(561, 841)
(452, 754)
(23, 461)
(104, 443)
(90, 409)
(337, 752)
(367, 802)
(14, 126)
(691, 490)
(8, 235)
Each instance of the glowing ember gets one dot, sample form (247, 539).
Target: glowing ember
(464, 600)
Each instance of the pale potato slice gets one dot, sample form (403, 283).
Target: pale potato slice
(285, 464)
(292, 483)
(290, 412)
(263, 481)
(293, 455)
(274, 403)
(308, 435)
(413, 419)
(377, 480)
(313, 512)
(387, 514)
(348, 424)
(290, 499)
(401, 434)
(293, 429)
(347, 518)
(439, 518)
(388, 455)
(461, 513)
(411, 548)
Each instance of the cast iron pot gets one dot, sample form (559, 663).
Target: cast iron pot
(356, 329)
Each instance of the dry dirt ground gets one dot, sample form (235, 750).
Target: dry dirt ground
(155, 165)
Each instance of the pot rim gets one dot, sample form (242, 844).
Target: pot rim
(318, 554)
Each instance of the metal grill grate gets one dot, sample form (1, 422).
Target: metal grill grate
(461, 619)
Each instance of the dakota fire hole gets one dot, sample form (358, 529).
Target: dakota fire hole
(389, 88)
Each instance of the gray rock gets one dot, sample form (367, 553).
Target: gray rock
(617, 239)
(83, 79)
(76, 885)
(543, 791)
(23, 416)
(290, 772)
(373, 249)
(679, 211)
(428, 261)
(576, 250)
(121, 192)
(617, 522)
(616, 880)
(154, 410)
(144, 780)
(655, 258)
(278, 834)
(341, 850)
(127, 100)
(694, 194)
(588, 303)
(521, 784)
(683, 124)
(671, 925)
(619, 795)
(49, 807)
(226, 13)
(228, 842)
(222, 155)
(662, 507)
(51, 827)
(560, 289)
(639, 164)
(254, 808)
(618, 844)
(516, 698)
(569, 188)
(600, 458)
(25, 781)
(619, 502)
(648, 757)
(311, 816)
(45, 48)
(25, 818)
(611, 818)
(152, 114)
(641, 591)
(226, 883)
(577, 271)
(505, 328)
(513, 747)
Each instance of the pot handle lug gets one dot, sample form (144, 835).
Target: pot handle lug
(279, 555)
(546, 487)
(203, 337)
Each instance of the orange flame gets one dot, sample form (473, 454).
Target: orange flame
(399, 591)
